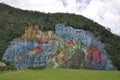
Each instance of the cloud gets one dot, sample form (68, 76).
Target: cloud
(37, 5)
(105, 12)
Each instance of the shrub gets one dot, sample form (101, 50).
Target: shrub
(8, 68)
(36, 67)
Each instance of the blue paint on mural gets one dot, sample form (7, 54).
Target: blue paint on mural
(23, 54)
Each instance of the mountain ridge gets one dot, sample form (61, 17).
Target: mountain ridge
(13, 22)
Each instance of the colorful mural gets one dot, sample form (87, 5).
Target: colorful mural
(95, 55)
(66, 47)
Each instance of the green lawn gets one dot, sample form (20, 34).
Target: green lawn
(61, 74)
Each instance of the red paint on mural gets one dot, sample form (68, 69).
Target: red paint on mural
(96, 52)
(89, 52)
(38, 49)
(97, 56)
(70, 42)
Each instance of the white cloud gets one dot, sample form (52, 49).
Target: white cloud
(38, 5)
(105, 12)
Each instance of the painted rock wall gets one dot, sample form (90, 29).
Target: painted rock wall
(95, 54)
(66, 47)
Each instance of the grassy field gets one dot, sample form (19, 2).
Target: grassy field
(61, 74)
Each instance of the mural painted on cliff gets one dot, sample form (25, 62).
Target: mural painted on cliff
(66, 47)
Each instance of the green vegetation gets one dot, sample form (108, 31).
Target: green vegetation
(36, 67)
(13, 22)
(61, 74)
(8, 66)
(6, 62)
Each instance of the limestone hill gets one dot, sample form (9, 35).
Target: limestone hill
(13, 22)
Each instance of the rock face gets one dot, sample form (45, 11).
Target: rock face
(77, 61)
(66, 47)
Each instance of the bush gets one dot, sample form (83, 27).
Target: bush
(6, 62)
(36, 67)
(8, 68)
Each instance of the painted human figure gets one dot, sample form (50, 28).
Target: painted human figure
(89, 53)
(100, 58)
(96, 52)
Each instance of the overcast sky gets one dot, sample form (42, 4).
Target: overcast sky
(105, 12)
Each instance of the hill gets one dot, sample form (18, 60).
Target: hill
(13, 22)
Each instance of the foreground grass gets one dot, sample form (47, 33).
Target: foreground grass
(61, 74)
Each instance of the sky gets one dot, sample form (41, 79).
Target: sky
(104, 12)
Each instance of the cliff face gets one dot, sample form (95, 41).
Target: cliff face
(66, 47)
(95, 54)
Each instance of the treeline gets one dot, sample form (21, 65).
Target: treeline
(13, 22)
